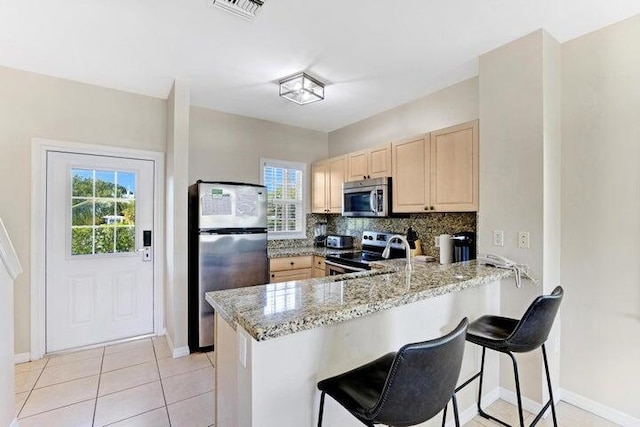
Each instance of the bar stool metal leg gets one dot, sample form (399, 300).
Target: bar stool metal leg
(546, 368)
(518, 395)
(456, 415)
(321, 409)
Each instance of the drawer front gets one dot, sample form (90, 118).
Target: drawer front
(318, 262)
(285, 276)
(291, 263)
(318, 272)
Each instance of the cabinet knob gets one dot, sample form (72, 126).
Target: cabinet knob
(431, 208)
(364, 176)
(292, 262)
(273, 275)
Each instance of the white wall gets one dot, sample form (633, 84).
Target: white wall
(601, 216)
(519, 158)
(32, 105)
(455, 104)
(228, 147)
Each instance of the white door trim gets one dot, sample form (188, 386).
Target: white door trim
(39, 149)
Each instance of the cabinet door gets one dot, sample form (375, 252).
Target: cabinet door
(336, 171)
(411, 171)
(357, 165)
(319, 187)
(380, 162)
(454, 174)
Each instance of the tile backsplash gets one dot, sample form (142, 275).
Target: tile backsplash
(428, 226)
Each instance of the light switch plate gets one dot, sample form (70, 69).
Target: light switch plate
(437, 242)
(524, 240)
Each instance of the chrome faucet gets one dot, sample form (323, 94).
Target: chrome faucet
(387, 250)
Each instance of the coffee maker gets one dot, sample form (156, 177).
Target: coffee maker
(464, 246)
(320, 234)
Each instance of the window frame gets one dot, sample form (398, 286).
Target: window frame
(302, 221)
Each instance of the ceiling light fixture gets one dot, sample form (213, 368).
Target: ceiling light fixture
(302, 89)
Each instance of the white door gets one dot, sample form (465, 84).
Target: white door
(99, 268)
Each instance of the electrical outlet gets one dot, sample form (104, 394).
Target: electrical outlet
(523, 240)
(498, 238)
(437, 242)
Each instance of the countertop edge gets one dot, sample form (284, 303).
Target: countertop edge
(446, 285)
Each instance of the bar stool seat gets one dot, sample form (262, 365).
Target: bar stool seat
(509, 336)
(402, 388)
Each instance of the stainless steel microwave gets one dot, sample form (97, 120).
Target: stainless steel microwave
(366, 198)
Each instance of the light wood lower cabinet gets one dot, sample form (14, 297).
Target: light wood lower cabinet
(318, 266)
(291, 268)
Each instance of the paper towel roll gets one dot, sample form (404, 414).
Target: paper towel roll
(446, 249)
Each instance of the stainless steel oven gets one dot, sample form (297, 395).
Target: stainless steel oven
(367, 198)
(373, 244)
(333, 269)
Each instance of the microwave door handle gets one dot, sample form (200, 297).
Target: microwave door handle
(372, 201)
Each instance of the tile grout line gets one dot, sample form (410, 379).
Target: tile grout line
(66, 381)
(164, 398)
(95, 405)
(55, 409)
(32, 388)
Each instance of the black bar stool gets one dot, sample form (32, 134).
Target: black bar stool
(517, 336)
(404, 388)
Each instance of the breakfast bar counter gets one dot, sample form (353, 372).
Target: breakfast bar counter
(274, 342)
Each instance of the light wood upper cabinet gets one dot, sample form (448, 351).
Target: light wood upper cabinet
(437, 172)
(327, 177)
(371, 163)
(411, 168)
(454, 175)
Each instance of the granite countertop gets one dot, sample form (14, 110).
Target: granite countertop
(279, 309)
(310, 250)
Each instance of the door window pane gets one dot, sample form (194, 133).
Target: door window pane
(103, 212)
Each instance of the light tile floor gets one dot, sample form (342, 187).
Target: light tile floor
(135, 384)
(138, 384)
(568, 416)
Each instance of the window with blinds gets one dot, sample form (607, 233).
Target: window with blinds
(285, 182)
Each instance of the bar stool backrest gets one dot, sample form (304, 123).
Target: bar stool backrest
(422, 379)
(533, 329)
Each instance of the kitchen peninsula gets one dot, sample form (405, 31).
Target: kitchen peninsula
(275, 342)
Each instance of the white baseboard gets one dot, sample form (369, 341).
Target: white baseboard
(176, 352)
(21, 358)
(470, 413)
(14, 423)
(527, 404)
(599, 409)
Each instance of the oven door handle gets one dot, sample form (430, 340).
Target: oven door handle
(344, 267)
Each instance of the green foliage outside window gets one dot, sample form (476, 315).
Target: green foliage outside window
(103, 213)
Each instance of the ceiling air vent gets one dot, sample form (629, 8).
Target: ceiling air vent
(247, 9)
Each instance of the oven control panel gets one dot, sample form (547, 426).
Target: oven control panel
(379, 239)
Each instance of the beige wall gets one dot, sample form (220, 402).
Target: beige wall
(601, 216)
(33, 105)
(450, 106)
(177, 181)
(519, 159)
(228, 147)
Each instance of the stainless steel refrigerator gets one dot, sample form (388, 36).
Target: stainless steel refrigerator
(227, 248)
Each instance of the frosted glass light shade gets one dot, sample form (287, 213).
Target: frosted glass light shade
(301, 89)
